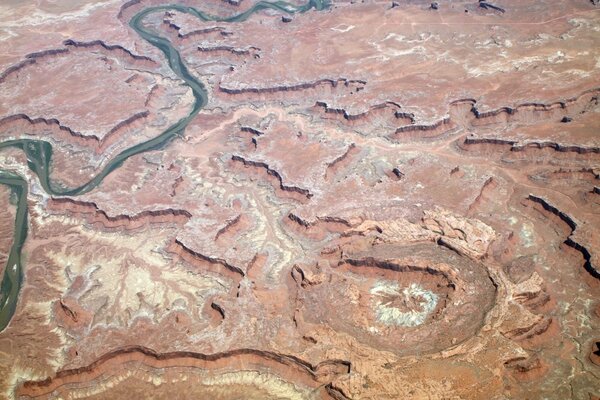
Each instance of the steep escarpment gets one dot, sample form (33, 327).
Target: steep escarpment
(574, 239)
(95, 215)
(267, 200)
(333, 83)
(305, 193)
(179, 249)
(237, 367)
(397, 302)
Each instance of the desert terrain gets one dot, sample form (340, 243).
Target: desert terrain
(235, 199)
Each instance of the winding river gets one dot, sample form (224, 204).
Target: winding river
(39, 152)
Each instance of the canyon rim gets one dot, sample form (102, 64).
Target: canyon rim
(241, 199)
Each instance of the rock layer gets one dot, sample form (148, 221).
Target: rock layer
(375, 202)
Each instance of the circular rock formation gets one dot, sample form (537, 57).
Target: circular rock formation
(405, 299)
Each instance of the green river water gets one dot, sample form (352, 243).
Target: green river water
(39, 152)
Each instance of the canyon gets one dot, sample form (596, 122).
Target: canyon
(322, 200)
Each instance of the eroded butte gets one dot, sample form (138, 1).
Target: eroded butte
(348, 200)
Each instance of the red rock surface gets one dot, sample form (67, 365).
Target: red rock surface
(377, 203)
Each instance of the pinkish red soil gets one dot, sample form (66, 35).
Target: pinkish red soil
(380, 201)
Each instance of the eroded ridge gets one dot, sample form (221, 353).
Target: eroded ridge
(538, 111)
(39, 152)
(33, 58)
(62, 132)
(109, 47)
(45, 121)
(197, 32)
(29, 60)
(387, 297)
(465, 114)
(223, 375)
(574, 240)
(328, 82)
(273, 173)
(300, 200)
(515, 145)
(179, 249)
(95, 215)
(389, 108)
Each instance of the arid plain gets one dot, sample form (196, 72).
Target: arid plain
(355, 200)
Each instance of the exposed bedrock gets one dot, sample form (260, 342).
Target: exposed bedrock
(372, 203)
(135, 97)
(233, 2)
(31, 126)
(29, 60)
(485, 195)
(463, 113)
(582, 242)
(526, 368)
(46, 54)
(50, 122)
(341, 162)
(374, 114)
(252, 131)
(197, 32)
(532, 113)
(595, 352)
(586, 174)
(468, 237)
(536, 112)
(202, 261)
(172, 23)
(424, 131)
(333, 83)
(413, 299)
(94, 215)
(275, 176)
(254, 374)
(250, 51)
(515, 146)
(216, 313)
(109, 47)
(303, 92)
(318, 229)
